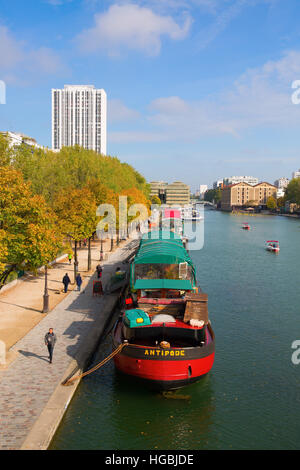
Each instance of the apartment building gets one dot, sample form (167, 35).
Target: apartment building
(241, 194)
(176, 193)
(240, 179)
(17, 138)
(79, 117)
(296, 174)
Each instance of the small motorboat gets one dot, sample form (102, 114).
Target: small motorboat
(273, 245)
(246, 226)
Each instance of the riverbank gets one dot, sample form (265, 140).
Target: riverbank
(262, 213)
(32, 399)
(21, 302)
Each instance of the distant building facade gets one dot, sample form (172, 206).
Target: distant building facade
(218, 184)
(296, 174)
(16, 138)
(240, 179)
(158, 188)
(280, 193)
(242, 194)
(202, 190)
(176, 193)
(282, 183)
(79, 118)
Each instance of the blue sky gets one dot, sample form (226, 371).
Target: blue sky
(197, 89)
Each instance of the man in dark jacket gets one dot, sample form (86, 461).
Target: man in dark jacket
(50, 340)
(66, 281)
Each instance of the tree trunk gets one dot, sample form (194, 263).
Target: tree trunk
(46, 295)
(5, 275)
(89, 255)
(75, 262)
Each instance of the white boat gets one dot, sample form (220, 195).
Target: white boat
(273, 245)
(191, 215)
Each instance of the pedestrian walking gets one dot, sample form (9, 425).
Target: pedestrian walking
(99, 271)
(70, 259)
(50, 340)
(78, 281)
(66, 281)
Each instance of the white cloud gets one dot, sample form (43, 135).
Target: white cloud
(260, 98)
(170, 105)
(119, 112)
(10, 50)
(20, 64)
(131, 27)
(137, 136)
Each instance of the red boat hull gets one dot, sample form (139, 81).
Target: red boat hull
(166, 369)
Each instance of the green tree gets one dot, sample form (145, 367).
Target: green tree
(76, 213)
(292, 193)
(281, 201)
(213, 195)
(271, 203)
(29, 235)
(74, 167)
(6, 151)
(155, 200)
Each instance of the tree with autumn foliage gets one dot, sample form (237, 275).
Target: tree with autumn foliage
(138, 205)
(68, 181)
(3, 251)
(29, 236)
(76, 213)
(271, 203)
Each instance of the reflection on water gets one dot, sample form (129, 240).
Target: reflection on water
(250, 399)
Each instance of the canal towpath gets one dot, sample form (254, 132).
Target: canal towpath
(32, 399)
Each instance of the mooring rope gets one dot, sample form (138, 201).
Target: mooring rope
(107, 359)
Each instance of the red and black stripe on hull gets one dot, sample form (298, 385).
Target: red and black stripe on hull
(166, 369)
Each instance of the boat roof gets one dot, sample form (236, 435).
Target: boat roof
(160, 235)
(171, 284)
(162, 247)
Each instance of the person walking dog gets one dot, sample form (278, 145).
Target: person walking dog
(50, 340)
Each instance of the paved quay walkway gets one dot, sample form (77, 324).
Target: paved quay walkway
(21, 306)
(30, 387)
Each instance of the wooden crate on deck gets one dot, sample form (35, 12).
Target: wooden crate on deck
(196, 307)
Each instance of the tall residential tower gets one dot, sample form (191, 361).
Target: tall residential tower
(79, 117)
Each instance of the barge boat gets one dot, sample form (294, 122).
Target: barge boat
(165, 330)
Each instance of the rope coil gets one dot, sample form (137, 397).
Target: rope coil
(107, 359)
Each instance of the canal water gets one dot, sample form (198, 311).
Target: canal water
(251, 397)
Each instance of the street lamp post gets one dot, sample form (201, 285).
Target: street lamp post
(101, 249)
(46, 295)
(112, 243)
(75, 262)
(89, 255)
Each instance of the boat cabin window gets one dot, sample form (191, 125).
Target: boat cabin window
(159, 294)
(163, 271)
